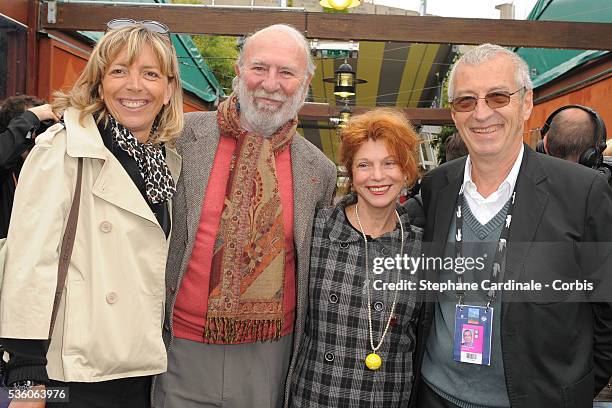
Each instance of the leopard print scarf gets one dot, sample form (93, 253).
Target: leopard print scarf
(159, 184)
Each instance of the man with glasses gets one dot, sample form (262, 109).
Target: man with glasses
(529, 219)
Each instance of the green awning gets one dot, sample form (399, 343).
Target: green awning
(548, 64)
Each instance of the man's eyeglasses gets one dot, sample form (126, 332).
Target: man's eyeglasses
(154, 26)
(494, 100)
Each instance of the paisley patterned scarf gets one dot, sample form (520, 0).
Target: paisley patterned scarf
(248, 269)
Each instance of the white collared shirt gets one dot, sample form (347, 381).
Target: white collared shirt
(484, 209)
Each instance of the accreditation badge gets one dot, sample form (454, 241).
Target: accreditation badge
(473, 331)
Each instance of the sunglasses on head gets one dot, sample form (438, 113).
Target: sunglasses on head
(494, 100)
(154, 26)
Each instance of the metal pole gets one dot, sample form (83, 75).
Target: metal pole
(423, 9)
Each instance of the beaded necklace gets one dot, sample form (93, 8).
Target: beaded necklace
(373, 360)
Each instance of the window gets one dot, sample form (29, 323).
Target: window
(427, 152)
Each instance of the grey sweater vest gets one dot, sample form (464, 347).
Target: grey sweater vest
(467, 385)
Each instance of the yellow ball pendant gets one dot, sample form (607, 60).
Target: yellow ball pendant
(373, 361)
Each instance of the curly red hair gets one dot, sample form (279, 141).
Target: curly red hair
(388, 125)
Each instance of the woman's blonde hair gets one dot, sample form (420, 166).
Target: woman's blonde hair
(85, 93)
(388, 125)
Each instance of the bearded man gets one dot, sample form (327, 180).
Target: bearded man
(237, 271)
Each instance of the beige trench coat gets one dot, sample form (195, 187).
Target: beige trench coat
(109, 323)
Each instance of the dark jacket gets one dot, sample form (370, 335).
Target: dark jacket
(13, 143)
(556, 347)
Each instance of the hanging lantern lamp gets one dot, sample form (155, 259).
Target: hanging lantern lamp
(345, 115)
(339, 4)
(344, 81)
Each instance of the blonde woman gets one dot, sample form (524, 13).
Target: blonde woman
(120, 120)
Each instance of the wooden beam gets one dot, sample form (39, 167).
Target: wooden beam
(359, 27)
(16, 9)
(417, 116)
(180, 18)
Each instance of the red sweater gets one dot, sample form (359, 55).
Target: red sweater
(192, 300)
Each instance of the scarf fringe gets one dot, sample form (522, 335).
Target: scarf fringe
(230, 330)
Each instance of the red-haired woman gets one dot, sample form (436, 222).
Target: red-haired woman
(357, 346)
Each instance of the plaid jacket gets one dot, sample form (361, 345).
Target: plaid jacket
(330, 369)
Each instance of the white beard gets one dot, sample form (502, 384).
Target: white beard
(264, 119)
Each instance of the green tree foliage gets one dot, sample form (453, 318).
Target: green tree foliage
(439, 143)
(220, 53)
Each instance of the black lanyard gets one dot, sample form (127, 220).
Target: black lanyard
(499, 261)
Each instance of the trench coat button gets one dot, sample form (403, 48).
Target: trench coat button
(333, 298)
(344, 245)
(106, 226)
(111, 297)
(378, 306)
(329, 357)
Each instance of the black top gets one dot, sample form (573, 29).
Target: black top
(14, 139)
(13, 142)
(28, 357)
